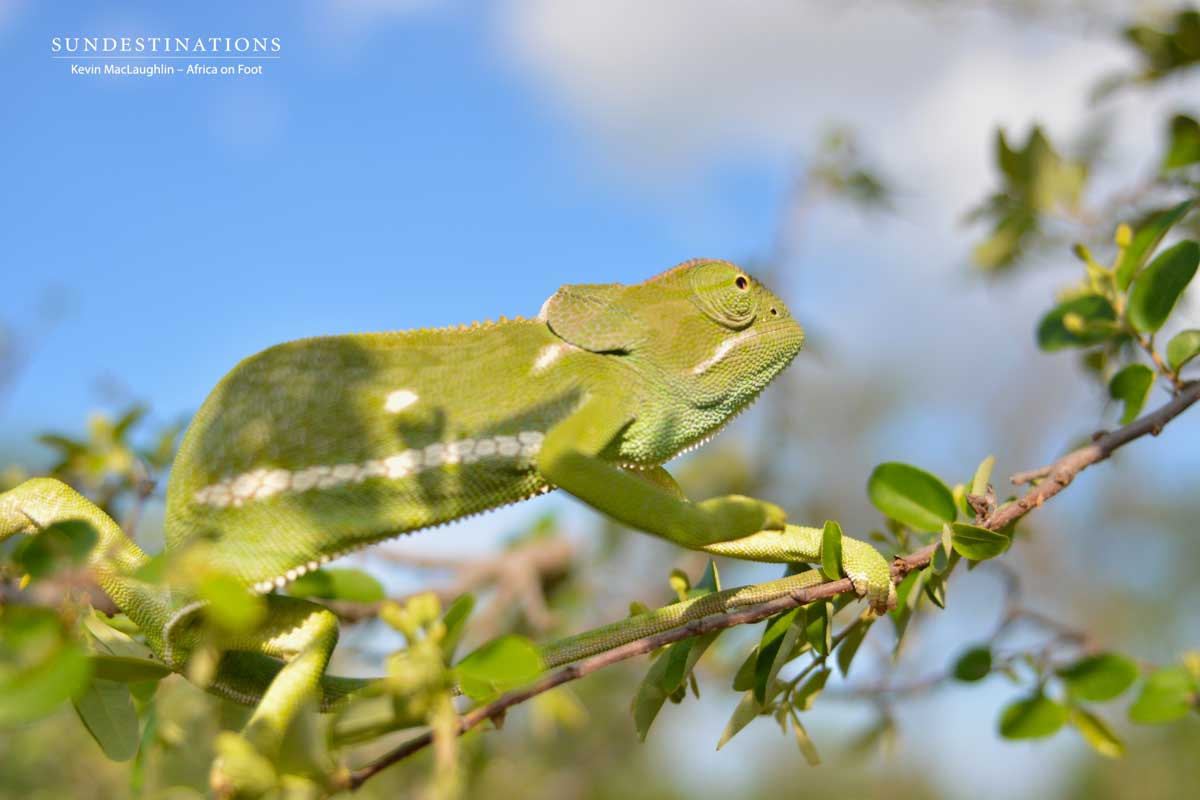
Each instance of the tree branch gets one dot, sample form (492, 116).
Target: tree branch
(1058, 476)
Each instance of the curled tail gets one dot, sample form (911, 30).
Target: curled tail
(41, 502)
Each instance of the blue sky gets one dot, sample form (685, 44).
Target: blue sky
(428, 162)
(405, 176)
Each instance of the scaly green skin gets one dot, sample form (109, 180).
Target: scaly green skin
(314, 448)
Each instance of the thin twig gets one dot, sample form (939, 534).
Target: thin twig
(1061, 473)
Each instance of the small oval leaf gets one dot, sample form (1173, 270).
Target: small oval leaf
(1168, 695)
(1160, 285)
(1182, 348)
(126, 669)
(40, 665)
(1183, 146)
(911, 495)
(497, 666)
(106, 710)
(831, 551)
(1148, 235)
(1032, 718)
(338, 583)
(976, 543)
(1131, 386)
(1096, 732)
(1094, 312)
(1100, 677)
(973, 665)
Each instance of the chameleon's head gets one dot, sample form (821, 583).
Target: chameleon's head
(723, 333)
(700, 341)
(703, 332)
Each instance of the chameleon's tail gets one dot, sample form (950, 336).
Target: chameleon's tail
(40, 502)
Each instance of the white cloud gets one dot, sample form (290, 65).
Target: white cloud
(682, 85)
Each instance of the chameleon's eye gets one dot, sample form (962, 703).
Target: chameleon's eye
(722, 292)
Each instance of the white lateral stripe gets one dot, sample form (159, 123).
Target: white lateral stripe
(260, 484)
(720, 352)
(548, 355)
(399, 400)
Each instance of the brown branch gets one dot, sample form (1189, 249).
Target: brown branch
(1059, 475)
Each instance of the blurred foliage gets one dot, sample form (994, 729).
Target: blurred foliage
(1037, 183)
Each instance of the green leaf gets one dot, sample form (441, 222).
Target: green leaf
(743, 679)
(1168, 695)
(455, 620)
(1183, 147)
(774, 649)
(41, 666)
(1131, 386)
(1100, 677)
(104, 639)
(651, 695)
(831, 551)
(62, 544)
(667, 675)
(1148, 235)
(747, 709)
(338, 583)
(497, 666)
(710, 581)
(804, 697)
(976, 543)
(1182, 348)
(905, 603)
(682, 657)
(807, 748)
(1094, 312)
(983, 476)
(1160, 285)
(911, 496)
(1096, 732)
(973, 665)
(851, 641)
(230, 604)
(106, 710)
(1034, 717)
(819, 629)
(127, 670)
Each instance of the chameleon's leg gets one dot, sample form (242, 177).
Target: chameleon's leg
(304, 635)
(252, 662)
(862, 563)
(570, 459)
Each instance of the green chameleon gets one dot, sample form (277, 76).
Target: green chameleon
(315, 448)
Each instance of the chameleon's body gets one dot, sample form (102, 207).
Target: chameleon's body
(317, 447)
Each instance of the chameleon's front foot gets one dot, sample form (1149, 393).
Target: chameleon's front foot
(870, 573)
(736, 517)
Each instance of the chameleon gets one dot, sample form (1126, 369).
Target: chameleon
(315, 448)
